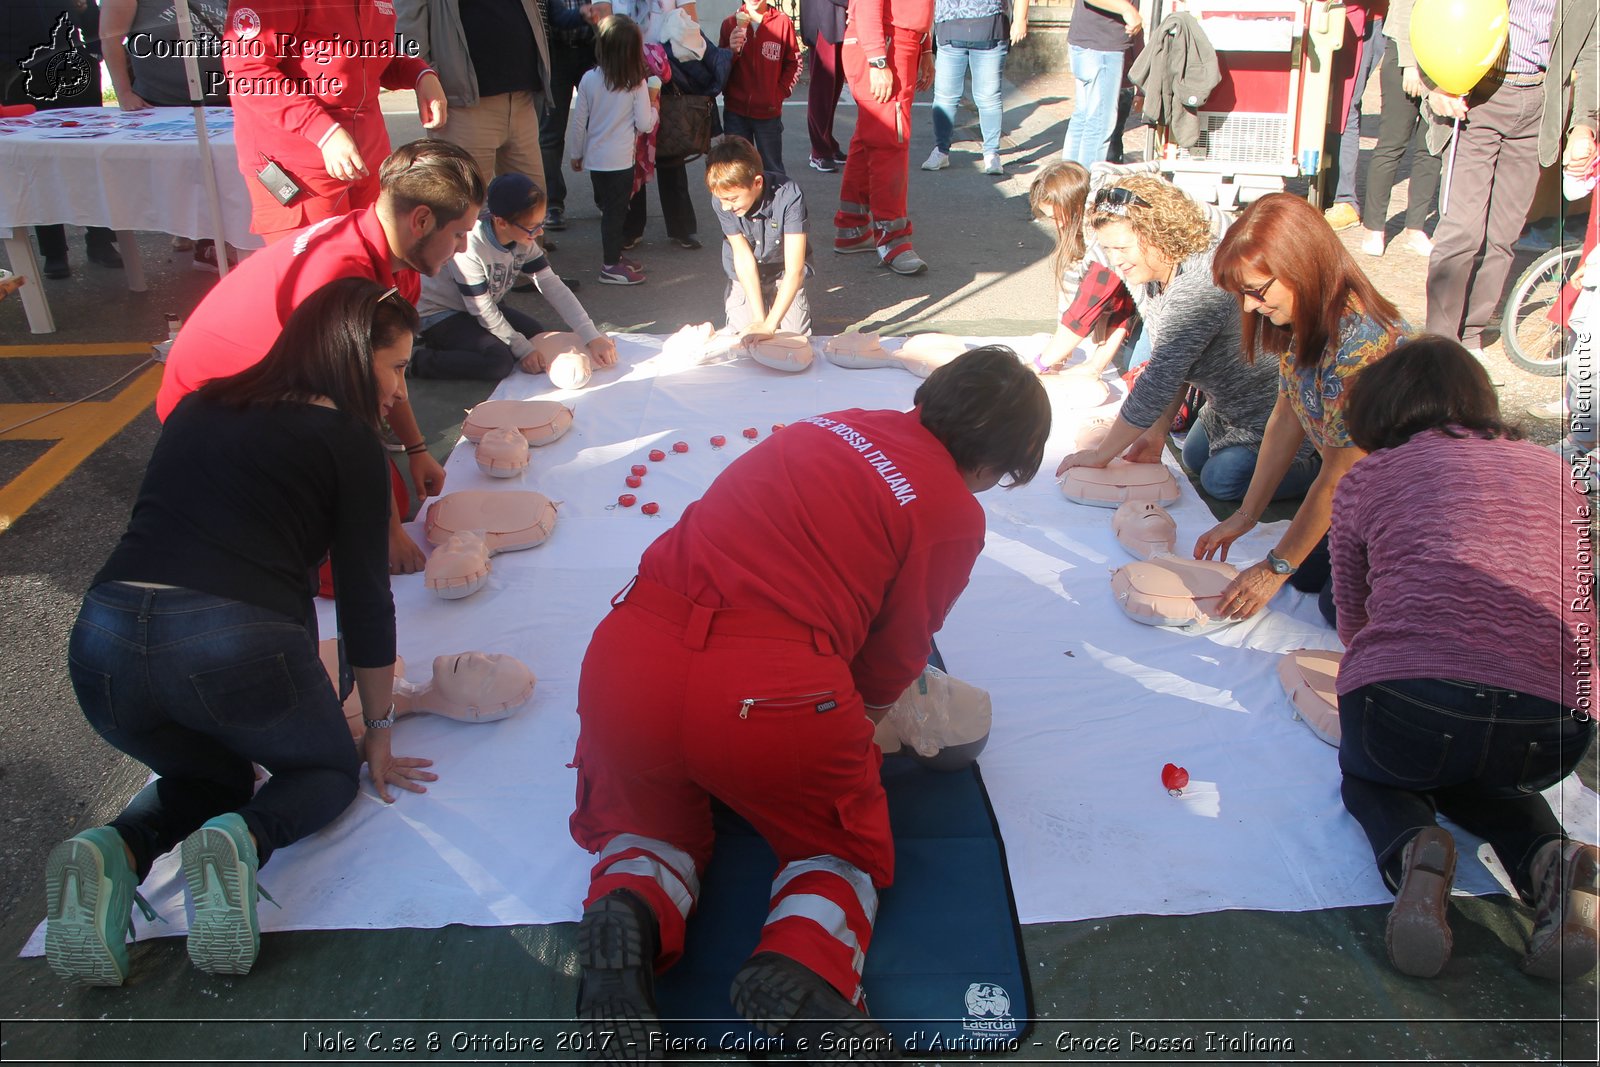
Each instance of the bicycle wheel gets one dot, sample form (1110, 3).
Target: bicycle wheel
(1532, 341)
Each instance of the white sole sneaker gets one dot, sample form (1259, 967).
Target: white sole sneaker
(936, 160)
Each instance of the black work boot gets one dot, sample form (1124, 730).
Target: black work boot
(787, 999)
(617, 945)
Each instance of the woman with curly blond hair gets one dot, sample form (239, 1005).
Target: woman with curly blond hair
(1160, 243)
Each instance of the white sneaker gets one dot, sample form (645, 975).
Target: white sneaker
(936, 160)
(1497, 375)
(991, 163)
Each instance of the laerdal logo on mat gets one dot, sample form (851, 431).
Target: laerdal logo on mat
(988, 1010)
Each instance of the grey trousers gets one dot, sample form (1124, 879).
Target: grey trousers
(1491, 188)
(797, 319)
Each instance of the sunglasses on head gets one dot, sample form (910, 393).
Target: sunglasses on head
(1116, 200)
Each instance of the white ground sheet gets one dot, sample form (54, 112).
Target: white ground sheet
(1088, 704)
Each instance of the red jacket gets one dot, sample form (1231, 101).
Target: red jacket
(243, 315)
(766, 69)
(291, 83)
(857, 523)
(869, 22)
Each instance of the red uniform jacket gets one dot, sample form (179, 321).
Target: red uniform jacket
(765, 70)
(857, 523)
(292, 77)
(869, 22)
(243, 315)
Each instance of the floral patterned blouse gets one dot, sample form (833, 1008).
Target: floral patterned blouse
(1317, 392)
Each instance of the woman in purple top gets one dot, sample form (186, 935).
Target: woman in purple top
(1451, 542)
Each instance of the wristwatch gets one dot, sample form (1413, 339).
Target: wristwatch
(1280, 565)
(380, 724)
(878, 62)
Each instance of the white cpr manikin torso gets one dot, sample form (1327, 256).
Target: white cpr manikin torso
(1118, 482)
(540, 421)
(1310, 677)
(1172, 591)
(508, 521)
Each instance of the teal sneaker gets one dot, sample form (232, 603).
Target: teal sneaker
(89, 895)
(219, 871)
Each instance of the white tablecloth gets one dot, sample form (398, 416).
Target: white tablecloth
(1088, 705)
(125, 170)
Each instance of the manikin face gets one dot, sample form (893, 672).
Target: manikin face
(481, 679)
(389, 365)
(737, 201)
(430, 245)
(1267, 297)
(1128, 256)
(463, 556)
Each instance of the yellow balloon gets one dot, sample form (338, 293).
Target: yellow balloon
(1458, 41)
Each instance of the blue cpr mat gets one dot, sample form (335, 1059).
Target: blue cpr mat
(945, 969)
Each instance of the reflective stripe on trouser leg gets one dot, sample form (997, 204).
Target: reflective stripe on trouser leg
(821, 915)
(894, 237)
(852, 224)
(662, 875)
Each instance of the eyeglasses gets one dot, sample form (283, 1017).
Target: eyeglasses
(1259, 293)
(531, 232)
(1117, 199)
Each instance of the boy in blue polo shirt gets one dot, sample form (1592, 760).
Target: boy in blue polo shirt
(766, 257)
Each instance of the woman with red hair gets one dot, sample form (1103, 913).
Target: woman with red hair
(1304, 302)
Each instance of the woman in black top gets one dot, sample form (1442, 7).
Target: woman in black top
(195, 650)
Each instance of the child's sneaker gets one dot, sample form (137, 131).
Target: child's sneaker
(89, 895)
(219, 872)
(621, 274)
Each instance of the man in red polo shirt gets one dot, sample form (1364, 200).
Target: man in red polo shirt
(430, 198)
(888, 56)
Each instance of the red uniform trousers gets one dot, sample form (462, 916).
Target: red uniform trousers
(877, 168)
(679, 702)
(310, 208)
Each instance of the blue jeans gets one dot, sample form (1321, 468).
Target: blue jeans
(950, 65)
(1348, 147)
(1414, 747)
(1094, 110)
(765, 134)
(197, 687)
(1227, 474)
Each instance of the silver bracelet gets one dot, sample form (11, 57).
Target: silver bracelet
(380, 724)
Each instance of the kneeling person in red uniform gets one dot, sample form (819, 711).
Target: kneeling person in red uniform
(748, 660)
